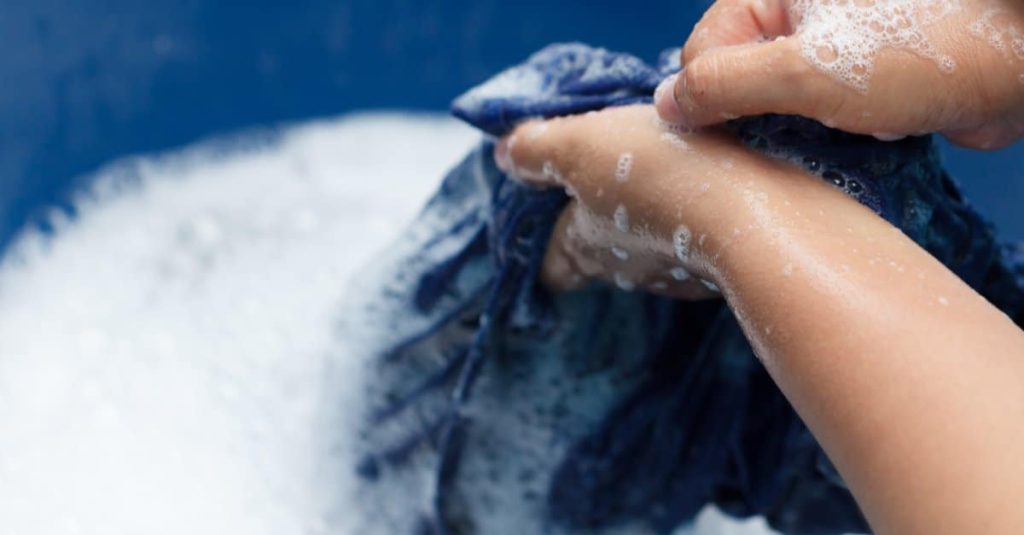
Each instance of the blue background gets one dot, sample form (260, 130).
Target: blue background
(85, 82)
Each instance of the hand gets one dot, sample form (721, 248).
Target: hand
(653, 208)
(949, 66)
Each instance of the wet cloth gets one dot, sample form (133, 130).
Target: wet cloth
(496, 407)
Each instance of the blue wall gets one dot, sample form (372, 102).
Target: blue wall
(88, 81)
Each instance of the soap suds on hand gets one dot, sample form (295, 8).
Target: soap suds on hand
(843, 38)
(624, 167)
(621, 218)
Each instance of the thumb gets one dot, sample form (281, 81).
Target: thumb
(729, 82)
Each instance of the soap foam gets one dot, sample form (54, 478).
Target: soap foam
(842, 38)
(681, 239)
(170, 361)
(675, 140)
(624, 167)
(551, 173)
(621, 218)
(995, 29)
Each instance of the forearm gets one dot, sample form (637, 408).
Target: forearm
(911, 381)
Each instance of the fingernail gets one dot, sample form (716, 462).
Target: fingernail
(665, 101)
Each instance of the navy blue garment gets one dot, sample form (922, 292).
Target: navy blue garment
(603, 411)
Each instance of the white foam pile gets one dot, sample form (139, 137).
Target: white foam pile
(168, 361)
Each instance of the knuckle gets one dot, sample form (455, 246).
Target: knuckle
(789, 63)
(699, 81)
(814, 93)
(751, 6)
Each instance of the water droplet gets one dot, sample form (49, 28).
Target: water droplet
(812, 164)
(710, 285)
(681, 243)
(835, 178)
(624, 283)
(680, 274)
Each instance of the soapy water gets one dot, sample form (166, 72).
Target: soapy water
(843, 38)
(169, 361)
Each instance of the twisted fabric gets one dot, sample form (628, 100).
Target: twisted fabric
(498, 408)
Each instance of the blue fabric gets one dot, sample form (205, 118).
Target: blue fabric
(650, 409)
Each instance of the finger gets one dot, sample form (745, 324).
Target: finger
(990, 137)
(736, 22)
(560, 272)
(533, 150)
(736, 81)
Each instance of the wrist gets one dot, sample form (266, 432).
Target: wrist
(742, 219)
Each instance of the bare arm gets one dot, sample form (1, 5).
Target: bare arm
(913, 383)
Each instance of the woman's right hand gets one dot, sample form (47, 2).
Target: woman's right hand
(664, 211)
(958, 68)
